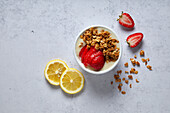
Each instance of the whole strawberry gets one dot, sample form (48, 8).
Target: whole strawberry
(126, 20)
(134, 39)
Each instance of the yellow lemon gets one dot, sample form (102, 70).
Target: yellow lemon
(72, 81)
(54, 69)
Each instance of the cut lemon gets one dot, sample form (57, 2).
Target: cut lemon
(54, 69)
(72, 81)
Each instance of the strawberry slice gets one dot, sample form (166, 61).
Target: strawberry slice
(126, 20)
(98, 53)
(82, 50)
(134, 39)
(84, 53)
(98, 62)
(89, 53)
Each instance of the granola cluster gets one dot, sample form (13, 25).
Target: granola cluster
(132, 72)
(102, 41)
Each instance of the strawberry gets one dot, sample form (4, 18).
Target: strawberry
(89, 53)
(134, 39)
(84, 53)
(98, 62)
(98, 53)
(82, 50)
(126, 20)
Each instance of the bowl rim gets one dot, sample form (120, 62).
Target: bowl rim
(82, 65)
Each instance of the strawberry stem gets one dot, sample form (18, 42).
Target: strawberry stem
(120, 16)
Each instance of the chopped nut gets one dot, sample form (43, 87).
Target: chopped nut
(120, 84)
(136, 72)
(123, 79)
(130, 85)
(123, 92)
(130, 77)
(133, 61)
(149, 67)
(126, 72)
(132, 70)
(116, 76)
(81, 44)
(126, 64)
(142, 53)
(88, 47)
(144, 60)
(126, 81)
(118, 80)
(146, 63)
(81, 36)
(135, 56)
(111, 82)
(119, 87)
(137, 81)
(119, 72)
(148, 59)
(137, 63)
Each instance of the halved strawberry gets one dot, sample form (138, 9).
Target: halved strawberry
(134, 39)
(98, 62)
(89, 53)
(126, 20)
(82, 50)
(84, 53)
(98, 53)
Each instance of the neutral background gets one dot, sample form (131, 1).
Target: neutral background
(33, 32)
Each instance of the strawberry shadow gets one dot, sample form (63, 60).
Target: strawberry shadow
(126, 29)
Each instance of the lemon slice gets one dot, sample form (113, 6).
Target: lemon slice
(72, 81)
(54, 69)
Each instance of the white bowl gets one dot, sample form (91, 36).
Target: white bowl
(101, 71)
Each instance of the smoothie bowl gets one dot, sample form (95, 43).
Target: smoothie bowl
(97, 49)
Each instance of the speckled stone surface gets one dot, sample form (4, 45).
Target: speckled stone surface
(32, 32)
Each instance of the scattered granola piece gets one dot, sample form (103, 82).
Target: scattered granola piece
(132, 70)
(135, 56)
(119, 72)
(126, 81)
(144, 60)
(123, 79)
(81, 44)
(126, 64)
(127, 72)
(130, 77)
(149, 67)
(137, 63)
(111, 82)
(142, 53)
(146, 63)
(123, 92)
(148, 59)
(136, 72)
(119, 87)
(133, 61)
(137, 81)
(116, 76)
(118, 80)
(130, 85)
(120, 84)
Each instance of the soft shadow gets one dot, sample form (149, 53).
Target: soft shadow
(52, 86)
(135, 49)
(126, 29)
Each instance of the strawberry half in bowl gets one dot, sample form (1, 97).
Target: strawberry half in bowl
(97, 49)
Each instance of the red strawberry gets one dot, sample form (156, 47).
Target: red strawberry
(82, 50)
(98, 62)
(84, 53)
(89, 53)
(126, 20)
(98, 53)
(134, 39)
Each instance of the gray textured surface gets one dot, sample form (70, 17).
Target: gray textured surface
(55, 24)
